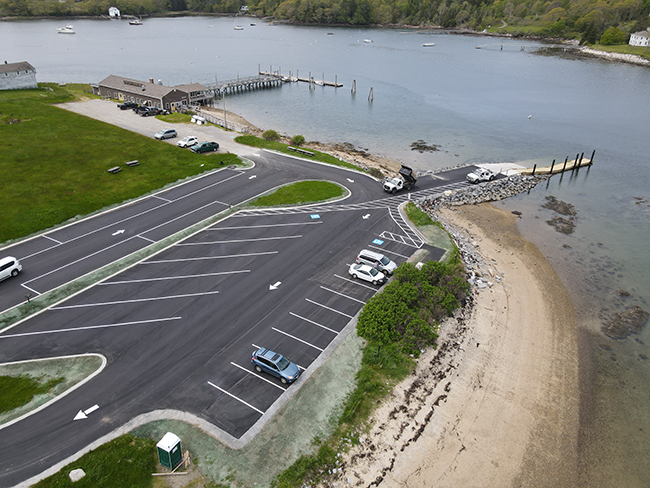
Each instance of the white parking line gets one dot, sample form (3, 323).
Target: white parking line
(161, 198)
(312, 322)
(384, 251)
(236, 398)
(180, 260)
(263, 226)
(88, 327)
(328, 308)
(238, 240)
(257, 376)
(134, 300)
(343, 295)
(144, 280)
(146, 238)
(50, 238)
(299, 340)
(356, 282)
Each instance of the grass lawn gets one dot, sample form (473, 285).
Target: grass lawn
(624, 49)
(283, 148)
(124, 462)
(300, 193)
(19, 390)
(54, 163)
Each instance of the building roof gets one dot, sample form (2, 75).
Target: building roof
(22, 66)
(136, 86)
(191, 87)
(643, 33)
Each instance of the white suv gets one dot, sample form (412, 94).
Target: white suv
(376, 260)
(9, 266)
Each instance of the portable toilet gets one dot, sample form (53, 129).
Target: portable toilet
(169, 451)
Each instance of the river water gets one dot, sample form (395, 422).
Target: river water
(498, 102)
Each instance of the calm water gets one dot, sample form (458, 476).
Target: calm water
(475, 104)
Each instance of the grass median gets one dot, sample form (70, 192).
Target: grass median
(55, 163)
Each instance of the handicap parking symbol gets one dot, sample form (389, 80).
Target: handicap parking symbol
(379, 242)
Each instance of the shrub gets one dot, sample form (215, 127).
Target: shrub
(271, 135)
(613, 35)
(297, 140)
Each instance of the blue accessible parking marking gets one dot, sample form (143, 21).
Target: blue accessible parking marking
(379, 242)
(315, 216)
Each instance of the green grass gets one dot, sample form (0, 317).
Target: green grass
(300, 193)
(283, 148)
(175, 118)
(54, 163)
(624, 49)
(19, 390)
(124, 462)
(417, 216)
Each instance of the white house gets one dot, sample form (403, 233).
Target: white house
(17, 76)
(640, 38)
(114, 12)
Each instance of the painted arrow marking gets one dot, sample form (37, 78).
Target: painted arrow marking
(83, 414)
(351, 181)
(275, 287)
(366, 216)
(121, 231)
(254, 176)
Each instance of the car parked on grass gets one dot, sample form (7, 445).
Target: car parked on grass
(480, 174)
(126, 105)
(204, 147)
(166, 134)
(9, 266)
(275, 364)
(367, 273)
(187, 141)
(377, 261)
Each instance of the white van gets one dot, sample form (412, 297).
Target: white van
(376, 260)
(9, 266)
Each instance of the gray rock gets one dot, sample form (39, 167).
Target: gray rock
(77, 474)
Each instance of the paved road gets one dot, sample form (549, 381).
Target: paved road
(178, 328)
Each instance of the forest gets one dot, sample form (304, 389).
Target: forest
(590, 21)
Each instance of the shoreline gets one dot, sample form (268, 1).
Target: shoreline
(497, 403)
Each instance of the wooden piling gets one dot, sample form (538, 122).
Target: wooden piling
(534, 168)
(592, 156)
(565, 161)
(354, 86)
(371, 97)
(552, 164)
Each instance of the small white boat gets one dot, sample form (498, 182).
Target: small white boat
(135, 22)
(253, 24)
(367, 40)
(428, 44)
(68, 29)
(239, 27)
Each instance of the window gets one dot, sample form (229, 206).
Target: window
(7, 265)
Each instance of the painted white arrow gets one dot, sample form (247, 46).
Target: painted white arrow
(351, 181)
(254, 176)
(83, 414)
(121, 231)
(275, 287)
(366, 216)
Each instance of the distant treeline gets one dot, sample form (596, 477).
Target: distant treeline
(583, 19)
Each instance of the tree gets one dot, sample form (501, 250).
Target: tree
(297, 140)
(613, 35)
(271, 135)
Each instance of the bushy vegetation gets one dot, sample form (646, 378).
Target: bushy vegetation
(408, 310)
(297, 140)
(583, 19)
(271, 135)
(19, 390)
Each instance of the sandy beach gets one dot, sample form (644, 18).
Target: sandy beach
(497, 403)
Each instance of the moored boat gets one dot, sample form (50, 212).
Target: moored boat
(68, 29)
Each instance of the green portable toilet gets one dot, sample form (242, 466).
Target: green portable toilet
(169, 451)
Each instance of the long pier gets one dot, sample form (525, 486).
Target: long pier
(262, 80)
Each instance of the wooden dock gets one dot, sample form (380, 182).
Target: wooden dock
(290, 78)
(262, 80)
(579, 162)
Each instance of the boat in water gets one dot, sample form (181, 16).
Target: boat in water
(428, 44)
(135, 22)
(68, 29)
(367, 40)
(239, 27)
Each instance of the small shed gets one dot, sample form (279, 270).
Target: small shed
(169, 451)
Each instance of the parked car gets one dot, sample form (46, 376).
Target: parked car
(9, 266)
(127, 105)
(367, 273)
(480, 174)
(141, 108)
(204, 147)
(275, 364)
(149, 113)
(377, 261)
(187, 141)
(166, 134)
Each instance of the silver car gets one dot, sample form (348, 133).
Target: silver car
(165, 134)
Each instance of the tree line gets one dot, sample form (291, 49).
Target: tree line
(586, 20)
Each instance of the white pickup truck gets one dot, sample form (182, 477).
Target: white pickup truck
(406, 179)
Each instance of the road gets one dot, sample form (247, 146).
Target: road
(178, 328)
